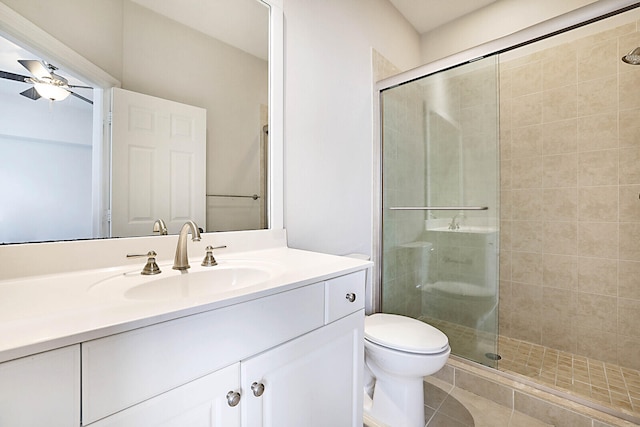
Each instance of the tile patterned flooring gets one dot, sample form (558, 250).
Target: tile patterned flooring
(605, 384)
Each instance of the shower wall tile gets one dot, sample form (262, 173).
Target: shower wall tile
(527, 204)
(630, 166)
(598, 132)
(629, 238)
(627, 91)
(560, 204)
(598, 168)
(597, 96)
(598, 239)
(526, 267)
(526, 79)
(598, 60)
(526, 110)
(571, 177)
(629, 128)
(628, 279)
(528, 236)
(559, 67)
(596, 344)
(559, 103)
(560, 238)
(529, 172)
(598, 203)
(628, 349)
(596, 312)
(598, 276)
(560, 137)
(526, 141)
(629, 317)
(560, 170)
(560, 271)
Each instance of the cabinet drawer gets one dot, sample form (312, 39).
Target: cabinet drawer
(344, 295)
(122, 370)
(41, 390)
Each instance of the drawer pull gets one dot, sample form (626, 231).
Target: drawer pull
(233, 398)
(257, 389)
(351, 297)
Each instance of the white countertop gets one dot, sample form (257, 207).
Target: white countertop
(40, 313)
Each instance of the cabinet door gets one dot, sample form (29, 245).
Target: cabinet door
(41, 390)
(200, 403)
(312, 381)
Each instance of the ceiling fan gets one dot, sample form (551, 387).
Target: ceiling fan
(46, 83)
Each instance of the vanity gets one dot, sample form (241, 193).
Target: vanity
(273, 337)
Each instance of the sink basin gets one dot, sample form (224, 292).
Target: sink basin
(227, 276)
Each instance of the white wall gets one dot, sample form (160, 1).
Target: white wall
(328, 116)
(496, 20)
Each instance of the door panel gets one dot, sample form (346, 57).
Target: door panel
(158, 164)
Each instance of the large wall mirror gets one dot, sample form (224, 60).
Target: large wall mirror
(221, 56)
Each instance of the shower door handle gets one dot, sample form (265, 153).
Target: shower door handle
(439, 208)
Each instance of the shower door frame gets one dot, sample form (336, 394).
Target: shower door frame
(579, 17)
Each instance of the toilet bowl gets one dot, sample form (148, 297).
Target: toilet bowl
(399, 352)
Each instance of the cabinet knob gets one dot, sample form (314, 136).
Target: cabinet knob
(257, 389)
(233, 398)
(351, 297)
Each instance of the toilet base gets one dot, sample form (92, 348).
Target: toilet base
(397, 403)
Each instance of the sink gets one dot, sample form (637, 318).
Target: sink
(227, 276)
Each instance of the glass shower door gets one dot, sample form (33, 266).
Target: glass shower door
(440, 188)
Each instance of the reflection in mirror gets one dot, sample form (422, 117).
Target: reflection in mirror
(150, 49)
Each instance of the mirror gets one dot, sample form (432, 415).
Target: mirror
(143, 50)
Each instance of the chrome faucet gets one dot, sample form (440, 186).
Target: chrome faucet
(160, 227)
(181, 261)
(455, 221)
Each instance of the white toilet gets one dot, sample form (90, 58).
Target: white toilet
(399, 352)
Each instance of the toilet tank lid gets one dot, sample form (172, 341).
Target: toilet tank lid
(404, 334)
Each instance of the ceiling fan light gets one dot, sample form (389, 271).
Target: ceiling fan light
(52, 92)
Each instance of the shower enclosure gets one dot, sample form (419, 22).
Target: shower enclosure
(554, 203)
(440, 204)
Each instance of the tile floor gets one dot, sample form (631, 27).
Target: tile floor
(606, 384)
(449, 406)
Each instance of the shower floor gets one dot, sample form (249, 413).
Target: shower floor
(603, 383)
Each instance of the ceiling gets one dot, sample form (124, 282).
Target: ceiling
(425, 15)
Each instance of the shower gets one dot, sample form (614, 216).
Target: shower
(543, 282)
(632, 57)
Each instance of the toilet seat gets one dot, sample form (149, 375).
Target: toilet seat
(404, 334)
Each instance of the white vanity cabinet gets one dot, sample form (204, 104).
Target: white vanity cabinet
(41, 390)
(199, 403)
(312, 381)
(302, 348)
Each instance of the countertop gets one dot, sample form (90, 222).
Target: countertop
(44, 312)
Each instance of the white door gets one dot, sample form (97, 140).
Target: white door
(158, 164)
(312, 381)
(200, 403)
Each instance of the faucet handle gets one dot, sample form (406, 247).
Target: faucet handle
(209, 260)
(150, 267)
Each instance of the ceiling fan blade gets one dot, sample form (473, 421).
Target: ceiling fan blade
(12, 76)
(36, 68)
(31, 93)
(80, 87)
(81, 97)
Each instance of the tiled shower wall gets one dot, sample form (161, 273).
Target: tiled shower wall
(570, 206)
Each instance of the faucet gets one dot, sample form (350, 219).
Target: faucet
(181, 261)
(160, 227)
(455, 221)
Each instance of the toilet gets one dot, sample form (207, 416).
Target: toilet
(399, 352)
